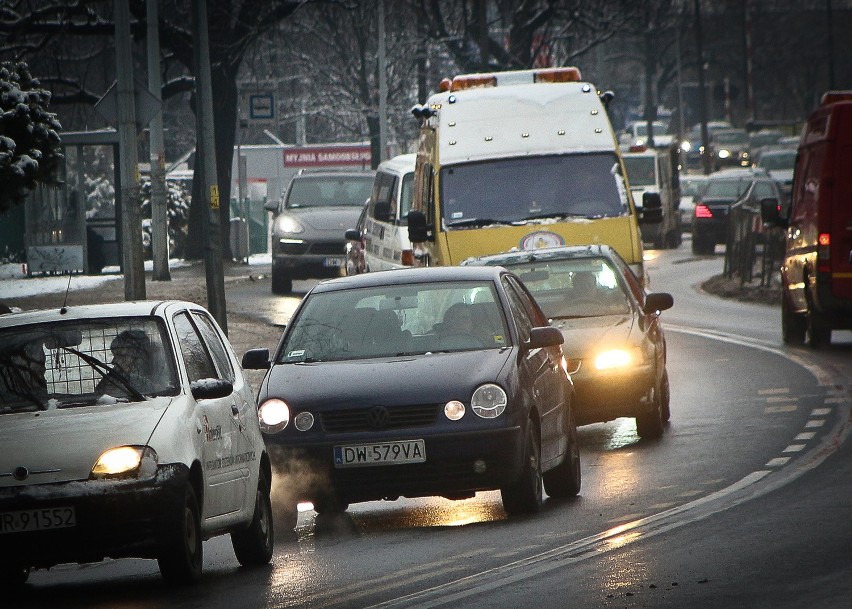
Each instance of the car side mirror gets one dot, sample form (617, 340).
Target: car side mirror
(545, 336)
(256, 359)
(211, 389)
(418, 229)
(770, 212)
(657, 301)
(652, 208)
(353, 234)
(271, 206)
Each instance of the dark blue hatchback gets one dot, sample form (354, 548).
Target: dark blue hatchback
(417, 382)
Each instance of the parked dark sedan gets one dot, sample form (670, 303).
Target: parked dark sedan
(614, 341)
(417, 382)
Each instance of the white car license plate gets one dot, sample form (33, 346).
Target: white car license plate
(333, 262)
(382, 453)
(37, 520)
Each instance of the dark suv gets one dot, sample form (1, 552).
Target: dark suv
(308, 232)
(724, 188)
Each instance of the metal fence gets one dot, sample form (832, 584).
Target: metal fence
(754, 252)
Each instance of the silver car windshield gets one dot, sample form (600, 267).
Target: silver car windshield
(324, 191)
(388, 321)
(61, 365)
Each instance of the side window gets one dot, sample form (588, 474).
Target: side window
(405, 197)
(198, 363)
(519, 311)
(214, 344)
(381, 205)
(762, 190)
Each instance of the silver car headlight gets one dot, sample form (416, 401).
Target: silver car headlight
(125, 462)
(288, 225)
(489, 401)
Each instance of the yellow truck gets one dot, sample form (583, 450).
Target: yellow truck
(520, 160)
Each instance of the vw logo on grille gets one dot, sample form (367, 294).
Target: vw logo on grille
(378, 417)
(21, 473)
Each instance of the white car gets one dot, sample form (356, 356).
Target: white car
(127, 430)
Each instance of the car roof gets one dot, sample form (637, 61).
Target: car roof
(409, 276)
(739, 172)
(400, 164)
(564, 252)
(139, 308)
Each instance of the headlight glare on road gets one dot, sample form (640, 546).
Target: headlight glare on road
(489, 401)
(274, 415)
(618, 358)
(125, 462)
(454, 410)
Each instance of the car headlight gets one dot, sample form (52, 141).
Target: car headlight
(454, 410)
(288, 225)
(685, 145)
(618, 358)
(274, 415)
(126, 462)
(489, 401)
(724, 154)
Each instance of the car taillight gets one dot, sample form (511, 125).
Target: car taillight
(702, 211)
(407, 258)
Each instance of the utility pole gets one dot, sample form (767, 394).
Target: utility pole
(131, 225)
(706, 158)
(205, 148)
(383, 85)
(157, 156)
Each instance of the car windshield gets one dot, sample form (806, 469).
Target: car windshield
(579, 287)
(641, 129)
(725, 189)
(81, 363)
(388, 321)
(515, 191)
(640, 170)
(778, 160)
(731, 137)
(329, 191)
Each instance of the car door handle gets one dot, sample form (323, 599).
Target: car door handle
(234, 410)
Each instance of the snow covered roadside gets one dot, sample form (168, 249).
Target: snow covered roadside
(15, 284)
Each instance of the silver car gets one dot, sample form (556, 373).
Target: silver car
(309, 230)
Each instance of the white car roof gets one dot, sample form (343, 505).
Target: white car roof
(140, 308)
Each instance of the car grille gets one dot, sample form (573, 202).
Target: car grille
(409, 480)
(378, 417)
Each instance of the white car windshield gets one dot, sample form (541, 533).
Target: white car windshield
(59, 365)
(388, 321)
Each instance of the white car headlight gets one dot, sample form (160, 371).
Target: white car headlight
(489, 401)
(454, 410)
(126, 462)
(288, 225)
(724, 154)
(618, 358)
(274, 415)
(685, 145)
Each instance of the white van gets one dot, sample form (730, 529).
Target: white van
(385, 231)
(655, 170)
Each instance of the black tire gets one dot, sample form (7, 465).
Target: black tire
(281, 283)
(793, 325)
(819, 336)
(565, 479)
(649, 425)
(526, 495)
(253, 546)
(182, 555)
(665, 397)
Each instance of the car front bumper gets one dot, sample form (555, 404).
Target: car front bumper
(603, 397)
(114, 519)
(457, 464)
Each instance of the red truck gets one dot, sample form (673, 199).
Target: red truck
(817, 269)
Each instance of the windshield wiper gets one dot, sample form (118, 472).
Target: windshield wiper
(554, 215)
(475, 222)
(105, 370)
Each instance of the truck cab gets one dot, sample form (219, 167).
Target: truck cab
(655, 171)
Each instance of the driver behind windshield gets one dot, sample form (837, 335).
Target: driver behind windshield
(133, 360)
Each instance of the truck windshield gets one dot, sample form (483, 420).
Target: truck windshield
(640, 170)
(532, 188)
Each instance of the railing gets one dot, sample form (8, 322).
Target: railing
(754, 252)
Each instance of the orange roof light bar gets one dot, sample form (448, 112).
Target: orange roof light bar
(567, 74)
(473, 81)
(512, 77)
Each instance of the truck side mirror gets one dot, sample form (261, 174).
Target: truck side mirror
(353, 234)
(652, 208)
(418, 229)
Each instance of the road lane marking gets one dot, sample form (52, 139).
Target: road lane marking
(814, 423)
(805, 435)
(777, 462)
(780, 409)
(820, 412)
(773, 391)
(795, 448)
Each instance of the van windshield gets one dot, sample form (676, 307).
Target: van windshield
(514, 191)
(640, 170)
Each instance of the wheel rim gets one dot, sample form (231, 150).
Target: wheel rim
(191, 534)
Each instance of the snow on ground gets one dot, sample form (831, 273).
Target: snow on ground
(14, 282)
